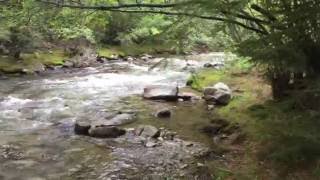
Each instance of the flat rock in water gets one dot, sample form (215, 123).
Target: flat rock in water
(106, 132)
(147, 131)
(161, 92)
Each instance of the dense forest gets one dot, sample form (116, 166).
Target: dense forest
(239, 76)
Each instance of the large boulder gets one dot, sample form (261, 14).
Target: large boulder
(161, 92)
(106, 132)
(219, 94)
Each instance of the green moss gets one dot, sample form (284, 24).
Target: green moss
(110, 51)
(10, 65)
(206, 78)
(132, 50)
(31, 62)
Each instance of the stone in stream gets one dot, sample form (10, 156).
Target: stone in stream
(150, 144)
(121, 119)
(219, 94)
(163, 113)
(161, 92)
(106, 132)
(82, 128)
(188, 96)
(213, 65)
(147, 131)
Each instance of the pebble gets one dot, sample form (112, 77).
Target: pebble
(210, 107)
(150, 144)
(200, 164)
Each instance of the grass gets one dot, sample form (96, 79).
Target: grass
(283, 139)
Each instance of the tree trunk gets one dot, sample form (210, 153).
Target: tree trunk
(280, 84)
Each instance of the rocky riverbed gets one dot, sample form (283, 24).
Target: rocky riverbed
(38, 116)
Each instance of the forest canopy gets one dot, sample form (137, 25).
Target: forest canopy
(280, 35)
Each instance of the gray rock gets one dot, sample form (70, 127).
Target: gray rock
(147, 131)
(210, 107)
(161, 92)
(213, 65)
(68, 64)
(187, 96)
(122, 119)
(219, 94)
(163, 113)
(118, 120)
(82, 128)
(146, 57)
(106, 132)
(150, 144)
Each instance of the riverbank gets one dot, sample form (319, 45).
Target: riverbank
(281, 136)
(43, 60)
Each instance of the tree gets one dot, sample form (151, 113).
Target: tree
(285, 38)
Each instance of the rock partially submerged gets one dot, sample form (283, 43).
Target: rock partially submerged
(161, 92)
(106, 132)
(219, 94)
(163, 113)
(216, 65)
(147, 131)
(82, 128)
(121, 119)
(104, 128)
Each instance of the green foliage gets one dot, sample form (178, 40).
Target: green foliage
(146, 29)
(208, 77)
(76, 32)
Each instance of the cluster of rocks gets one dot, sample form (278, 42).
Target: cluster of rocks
(106, 128)
(155, 153)
(151, 136)
(223, 132)
(143, 57)
(219, 94)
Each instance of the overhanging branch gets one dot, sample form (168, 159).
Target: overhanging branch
(106, 7)
(221, 19)
(119, 8)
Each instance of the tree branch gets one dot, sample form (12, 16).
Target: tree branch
(119, 8)
(194, 16)
(105, 7)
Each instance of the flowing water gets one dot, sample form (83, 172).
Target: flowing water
(37, 114)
